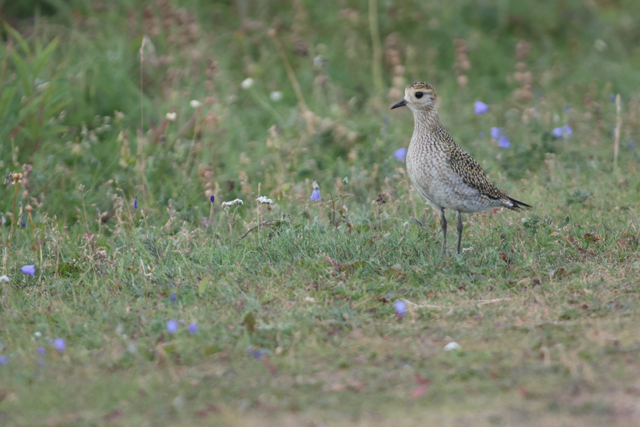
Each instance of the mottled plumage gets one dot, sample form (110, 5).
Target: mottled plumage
(446, 175)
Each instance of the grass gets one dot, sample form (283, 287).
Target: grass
(294, 300)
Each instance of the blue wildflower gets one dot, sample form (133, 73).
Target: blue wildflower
(212, 198)
(481, 134)
(612, 97)
(480, 107)
(29, 269)
(173, 297)
(315, 195)
(135, 203)
(631, 144)
(4, 360)
(41, 351)
(400, 154)
(41, 362)
(193, 327)
(22, 223)
(400, 307)
(496, 133)
(59, 344)
(563, 131)
(503, 142)
(172, 326)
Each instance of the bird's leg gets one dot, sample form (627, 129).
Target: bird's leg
(444, 231)
(459, 231)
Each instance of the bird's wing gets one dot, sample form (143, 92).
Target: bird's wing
(472, 174)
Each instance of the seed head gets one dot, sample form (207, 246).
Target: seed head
(16, 177)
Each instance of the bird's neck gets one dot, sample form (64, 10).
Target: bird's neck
(425, 121)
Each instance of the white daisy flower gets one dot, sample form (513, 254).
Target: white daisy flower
(235, 202)
(264, 200)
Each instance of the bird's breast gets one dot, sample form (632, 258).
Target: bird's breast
(433, 177)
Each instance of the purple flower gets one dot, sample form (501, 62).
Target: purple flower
(173, 297)
(41, 351)
(630, 144)
(503, 142)
(315, 195)
(400, 154)
(22, 222)
(563, 131)
(612, 97)
(480, 107)
(400, 307)
(59, 344)
(4, 360)
(496, 133)
(481, 134)
(135, 203)
(29, 269)
(212, 198)
(255, 352)
(172, 326)
(41, 361)
(193, 327)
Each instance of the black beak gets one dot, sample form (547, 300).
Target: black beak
(399, 104)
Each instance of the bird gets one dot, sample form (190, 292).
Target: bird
(442, 172)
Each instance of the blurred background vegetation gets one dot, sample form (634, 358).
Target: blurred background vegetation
(79, 107)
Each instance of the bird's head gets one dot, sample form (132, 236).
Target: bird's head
(419, 96)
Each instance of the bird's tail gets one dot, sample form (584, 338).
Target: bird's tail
(517, 204)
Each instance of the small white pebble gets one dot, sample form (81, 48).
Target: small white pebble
(37, 334)
(452, 346)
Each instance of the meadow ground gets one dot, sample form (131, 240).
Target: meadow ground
(149, 304)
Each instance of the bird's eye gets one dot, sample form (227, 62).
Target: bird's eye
(419, 95)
